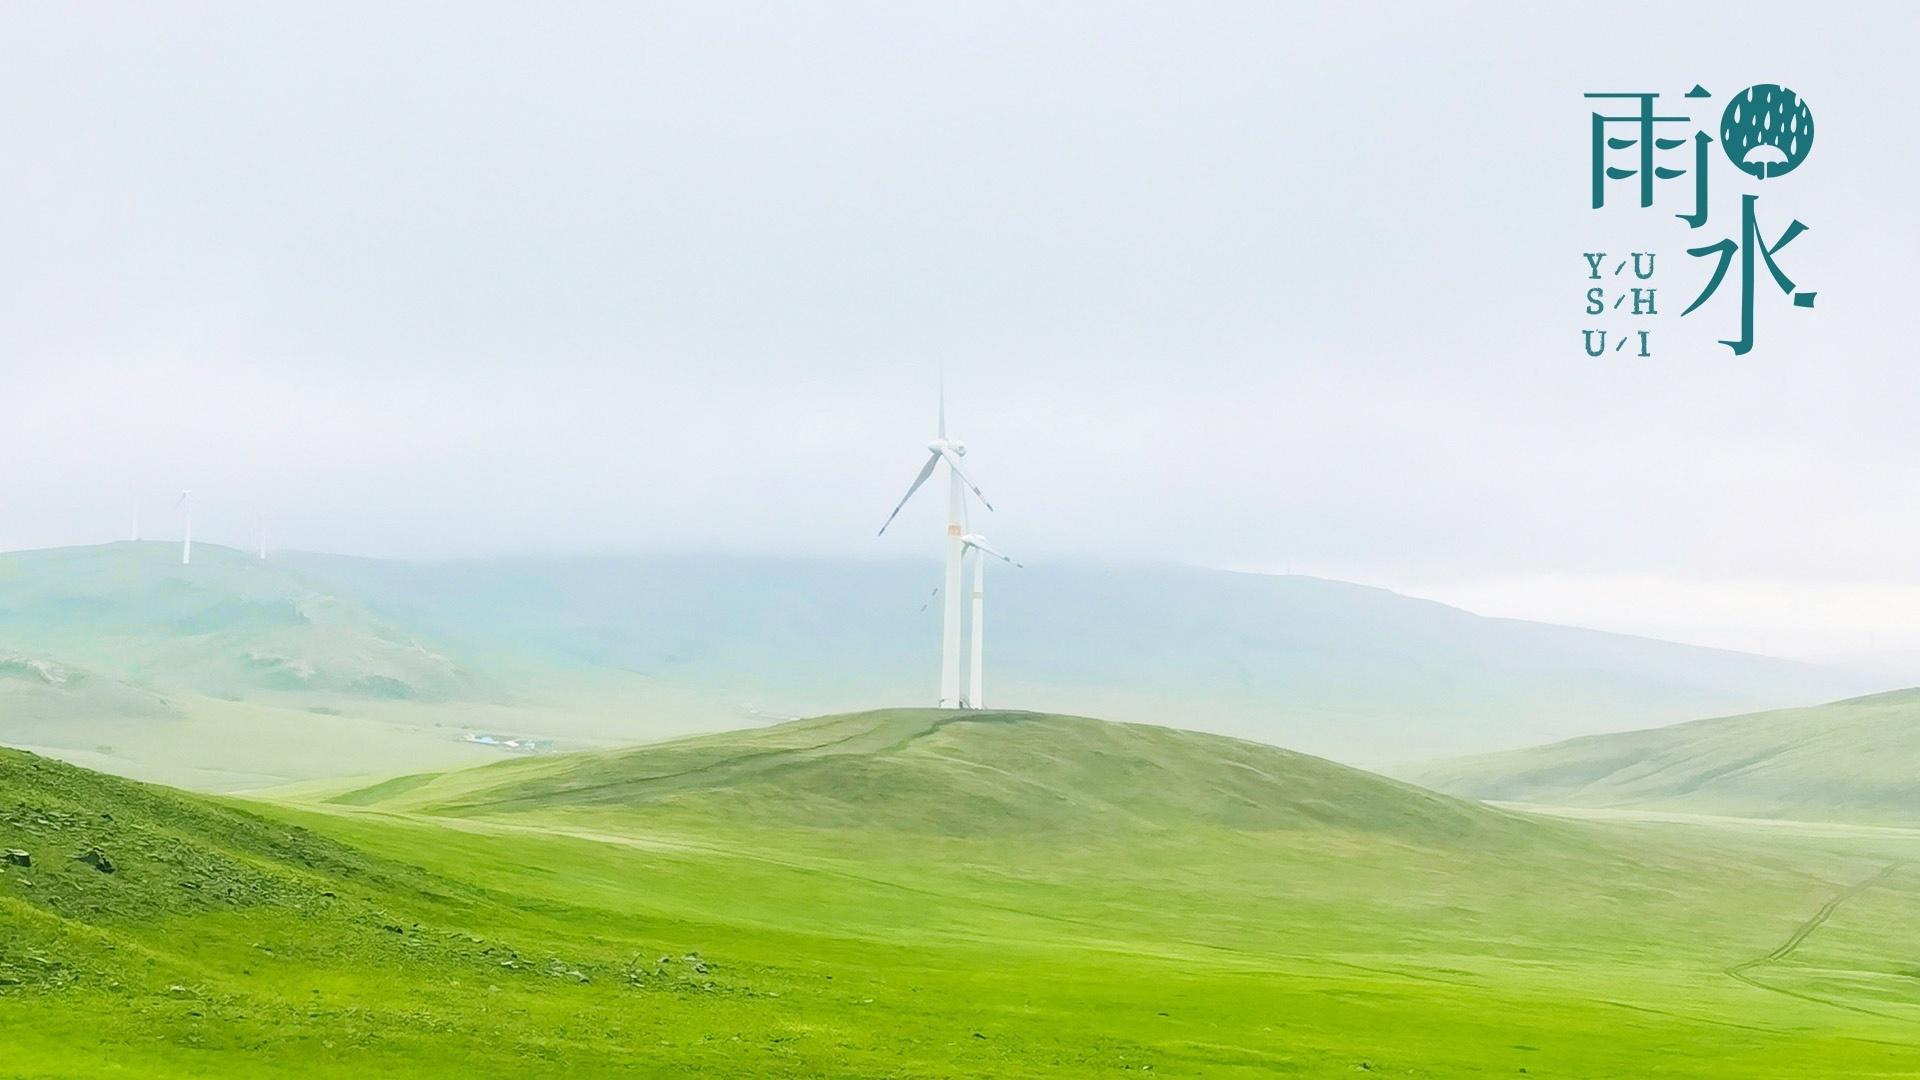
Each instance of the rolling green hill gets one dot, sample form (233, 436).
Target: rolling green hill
(911, 893)
(1849, 760)
(98, 868)
(962, 774)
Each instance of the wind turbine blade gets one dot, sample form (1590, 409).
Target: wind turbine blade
(988, 548)
(953, 462)
(182, 501)
(925, 471)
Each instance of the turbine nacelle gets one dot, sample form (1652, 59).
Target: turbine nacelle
(939, 450)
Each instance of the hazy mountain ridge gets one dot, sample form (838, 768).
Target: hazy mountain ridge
(302, 665)
(1347, 671)
(233, 672)
(225, 625)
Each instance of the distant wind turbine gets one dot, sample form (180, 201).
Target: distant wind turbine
(261, 522)
(185, 506)
(950, 451)
(976, 696)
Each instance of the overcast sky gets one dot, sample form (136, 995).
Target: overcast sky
(1275, 286)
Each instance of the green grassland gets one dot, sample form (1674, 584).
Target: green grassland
(914, 894)
(1848, 761)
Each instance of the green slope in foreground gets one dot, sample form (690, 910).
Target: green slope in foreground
(918, 894)
(1847, 761)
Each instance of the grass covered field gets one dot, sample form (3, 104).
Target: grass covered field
(916, 893)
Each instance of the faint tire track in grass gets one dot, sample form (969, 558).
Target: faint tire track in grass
(1741, 971)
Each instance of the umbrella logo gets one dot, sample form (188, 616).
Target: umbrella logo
(1767, 130)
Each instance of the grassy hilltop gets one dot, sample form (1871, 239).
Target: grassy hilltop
(917, 893)
(958, 774)
(1848, 761)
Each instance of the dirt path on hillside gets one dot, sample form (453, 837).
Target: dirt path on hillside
(1743, 971)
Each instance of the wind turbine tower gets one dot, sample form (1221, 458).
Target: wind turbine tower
(976, 691)
(185, 506)
(949, 451)
(956, 555)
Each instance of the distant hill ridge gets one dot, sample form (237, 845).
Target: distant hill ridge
(1346, 671)
(1847, 760)
(236, 672)
(224, 625)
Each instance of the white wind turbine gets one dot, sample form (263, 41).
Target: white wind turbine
(950, 451)
(976, 696)
(185, 506)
